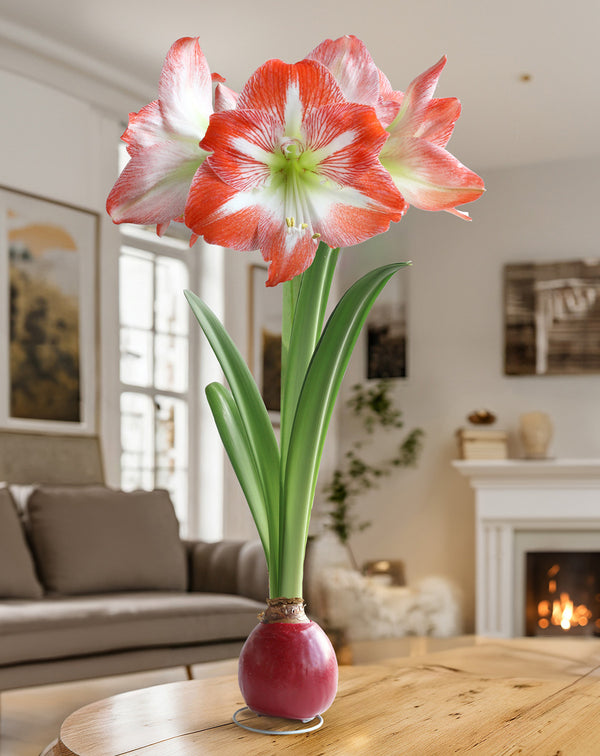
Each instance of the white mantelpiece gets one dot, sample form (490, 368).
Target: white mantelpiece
(521, 506)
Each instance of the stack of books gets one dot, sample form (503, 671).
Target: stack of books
(482, 443)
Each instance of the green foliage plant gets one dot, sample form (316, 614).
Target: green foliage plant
(374, 406)
(279, 479)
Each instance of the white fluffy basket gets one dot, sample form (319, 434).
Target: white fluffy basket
(366, 609)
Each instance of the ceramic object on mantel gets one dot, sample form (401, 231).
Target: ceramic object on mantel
(536, 433)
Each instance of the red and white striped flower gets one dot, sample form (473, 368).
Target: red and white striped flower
(163, 141)
(295, 163)
(426, 174)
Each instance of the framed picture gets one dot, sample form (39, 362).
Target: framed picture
(48, 322)
(264, 338)
(552, 318)
(386, 333)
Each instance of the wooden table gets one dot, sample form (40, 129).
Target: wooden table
(524, 696)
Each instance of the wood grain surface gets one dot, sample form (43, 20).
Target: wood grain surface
(525, 696)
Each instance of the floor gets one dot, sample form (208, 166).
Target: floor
(30, 718)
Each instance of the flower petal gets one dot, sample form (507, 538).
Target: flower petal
(352, 66)
(389, 102)
(289, 251)
(345, 139)
(145, 128)
(416, 100)
(242, 143)
(438, 123)
(428, 176)
(220, 213)
(153, 187)
(277, 86)
(185, 89)
(225, 98)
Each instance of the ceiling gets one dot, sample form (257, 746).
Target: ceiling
(506, 121)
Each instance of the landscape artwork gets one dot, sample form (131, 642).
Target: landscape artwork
(48, 252)
(552, 318)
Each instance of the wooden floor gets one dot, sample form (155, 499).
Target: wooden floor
(30, 718)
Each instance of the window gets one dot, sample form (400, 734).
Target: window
(156, 353)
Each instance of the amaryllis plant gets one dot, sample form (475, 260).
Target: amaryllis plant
(308, 158)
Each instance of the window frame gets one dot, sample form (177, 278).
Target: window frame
(174, 245)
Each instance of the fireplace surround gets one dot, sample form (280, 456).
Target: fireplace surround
(521, 507)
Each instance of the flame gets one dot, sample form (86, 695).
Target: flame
(563, 613)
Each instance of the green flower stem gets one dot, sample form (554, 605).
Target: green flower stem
(312, 414)
(302, 323)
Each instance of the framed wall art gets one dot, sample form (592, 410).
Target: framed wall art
(552, 318)
(386, 332)
(264, 338)
(48, 324)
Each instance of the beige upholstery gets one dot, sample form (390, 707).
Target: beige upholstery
(92, 539)
(58, 628)
(17, 571)
(230, 567)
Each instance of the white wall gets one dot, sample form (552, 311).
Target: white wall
(543, 212)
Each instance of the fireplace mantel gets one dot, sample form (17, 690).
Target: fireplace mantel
(520, 506)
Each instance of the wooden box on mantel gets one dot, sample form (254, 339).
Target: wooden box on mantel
(482, 443)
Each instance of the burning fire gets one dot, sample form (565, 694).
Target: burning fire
(561, 611)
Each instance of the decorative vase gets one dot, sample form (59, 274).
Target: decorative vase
(287, 667)
(536, 434)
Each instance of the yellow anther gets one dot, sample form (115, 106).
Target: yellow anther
(304, 225)
(290, 222)
(316, 236)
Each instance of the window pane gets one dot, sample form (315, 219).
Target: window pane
(136, 357)
(172, 451)
(137, 430)
(175, 481)
(136, 289)
(133, 478)
(171, 363)
(171, 307)
(171, 433)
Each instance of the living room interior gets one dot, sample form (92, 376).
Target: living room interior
(526, 76)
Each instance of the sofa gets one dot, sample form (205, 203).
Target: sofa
(96, 581)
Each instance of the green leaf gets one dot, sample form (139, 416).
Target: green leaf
(315, 406)
(308, 314)
(235, 440)
(253, 414)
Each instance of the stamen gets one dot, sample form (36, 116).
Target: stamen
(304, 226)
(290, 222)
(316, 236)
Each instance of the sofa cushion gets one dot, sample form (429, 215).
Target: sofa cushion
(92, 539)
(17, 571)
(60, 628)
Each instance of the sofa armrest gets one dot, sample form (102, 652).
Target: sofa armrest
(236, 567)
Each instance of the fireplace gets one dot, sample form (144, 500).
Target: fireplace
(532, 517)
(562, 593)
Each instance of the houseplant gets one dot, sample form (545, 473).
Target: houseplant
(374, 407)
(308, 158)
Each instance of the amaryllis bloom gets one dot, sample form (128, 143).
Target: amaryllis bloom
(426, 174)
(295, 163)
(163, 141)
